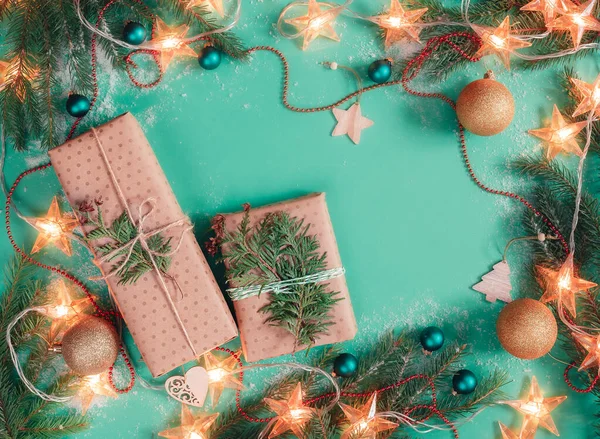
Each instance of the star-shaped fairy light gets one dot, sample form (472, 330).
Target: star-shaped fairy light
(399, 23)
(171, 42)
(191, 427)
(506, 432)
(350, 122)
(364, 423)
(591, 343)
(65, 309)
(3, 73)
(54, 228)
(498, 41)
(220, 376)
(560, 136)
(549, 8)
(217, 5)
(92, 386)
(562, 285)
(292, 415)
(576, 19)
(537, 411)
(590, 96)
(316, 23)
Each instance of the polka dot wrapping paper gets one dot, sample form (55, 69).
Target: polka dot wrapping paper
(203, 311)
(261, 340)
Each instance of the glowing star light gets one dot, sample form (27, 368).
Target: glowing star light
(217, 5)
(560, 135)
(549, 8)
(65, 309)
(191, 427)
(399, 23)
(590, 96)
(506, 432)
(591, 343)
(292, 415)
(315, 23)
(562, 285)
(576, 19)
(220, 376)
(364, 423)
(498, 41)
(54, 228)
(537, 410)
(350, 122)
(3, 73)
(92, 386)
(171, 41)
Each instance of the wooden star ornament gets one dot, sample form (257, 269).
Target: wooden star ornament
(590, 96)
(364, 422)
(560, 136)
(591, 343)
(170, 41)
(537, 411)
(315, 23)
(54, 228)
(350, 122)
(216, 5)
(220, 376)
(191, 427)
(92, 386)
(563, 285)
(576, 19)
(292, 415)
(399, 23)
(498, 41)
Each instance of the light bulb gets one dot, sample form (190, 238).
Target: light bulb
(216, 375)
(171, 43)
(563, 134)
(61, 311)
(318, 22)
(497, 41)
(195, 435)
(51, 228)
(394, 22)
(578, 20)
(297, 413)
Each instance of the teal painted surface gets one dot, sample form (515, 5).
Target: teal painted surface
(414, 232)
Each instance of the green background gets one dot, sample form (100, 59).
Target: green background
(413, 230)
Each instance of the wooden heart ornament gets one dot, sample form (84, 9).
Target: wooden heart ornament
(190, 389)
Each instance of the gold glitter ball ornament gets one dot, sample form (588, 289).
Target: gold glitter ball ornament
(90, 346)
(485, 107)
(527, 329)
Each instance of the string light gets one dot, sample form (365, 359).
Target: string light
(65, 309)
(590, 95)
(364, 422)
(92, 386)
(591, 343)
(316, 22)
(220, 375)
(398, 23)
(537, 411)
(560, 136)
(549, 8)
(172, 42)
(54, 228)
(498, 41)
(292, 415)
(577, 19)
(191, 427)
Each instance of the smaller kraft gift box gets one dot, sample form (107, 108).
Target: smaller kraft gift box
(175, 311)
(261, 339)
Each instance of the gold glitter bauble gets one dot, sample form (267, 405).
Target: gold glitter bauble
(527, 329)
(90, 346)
(485, 107)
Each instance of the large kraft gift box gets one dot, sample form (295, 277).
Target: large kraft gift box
(84, 175)
(261, 340)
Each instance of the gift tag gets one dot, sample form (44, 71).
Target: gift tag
(190, 389)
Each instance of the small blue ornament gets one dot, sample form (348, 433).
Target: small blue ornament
(209, 58)
(345, 365)
(432, 338)
(464, 382)
(78, 105)
(134, 33)
(380, 71)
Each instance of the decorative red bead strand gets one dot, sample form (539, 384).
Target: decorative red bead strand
(588, 389)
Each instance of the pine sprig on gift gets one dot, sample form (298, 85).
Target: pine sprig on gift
(387, 361)
(129, 267)
(280, 248)
(23, 416)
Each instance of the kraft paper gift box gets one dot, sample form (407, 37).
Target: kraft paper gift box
(164, 340)
(261, 340)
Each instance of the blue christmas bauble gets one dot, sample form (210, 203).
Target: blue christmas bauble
(345, 365)
(209, 58)
(432, 338)
(134, 33)
(464, 382)
(380, 71)
(78, 105)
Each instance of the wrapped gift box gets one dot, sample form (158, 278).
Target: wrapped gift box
(261, 340)
(205, 322)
